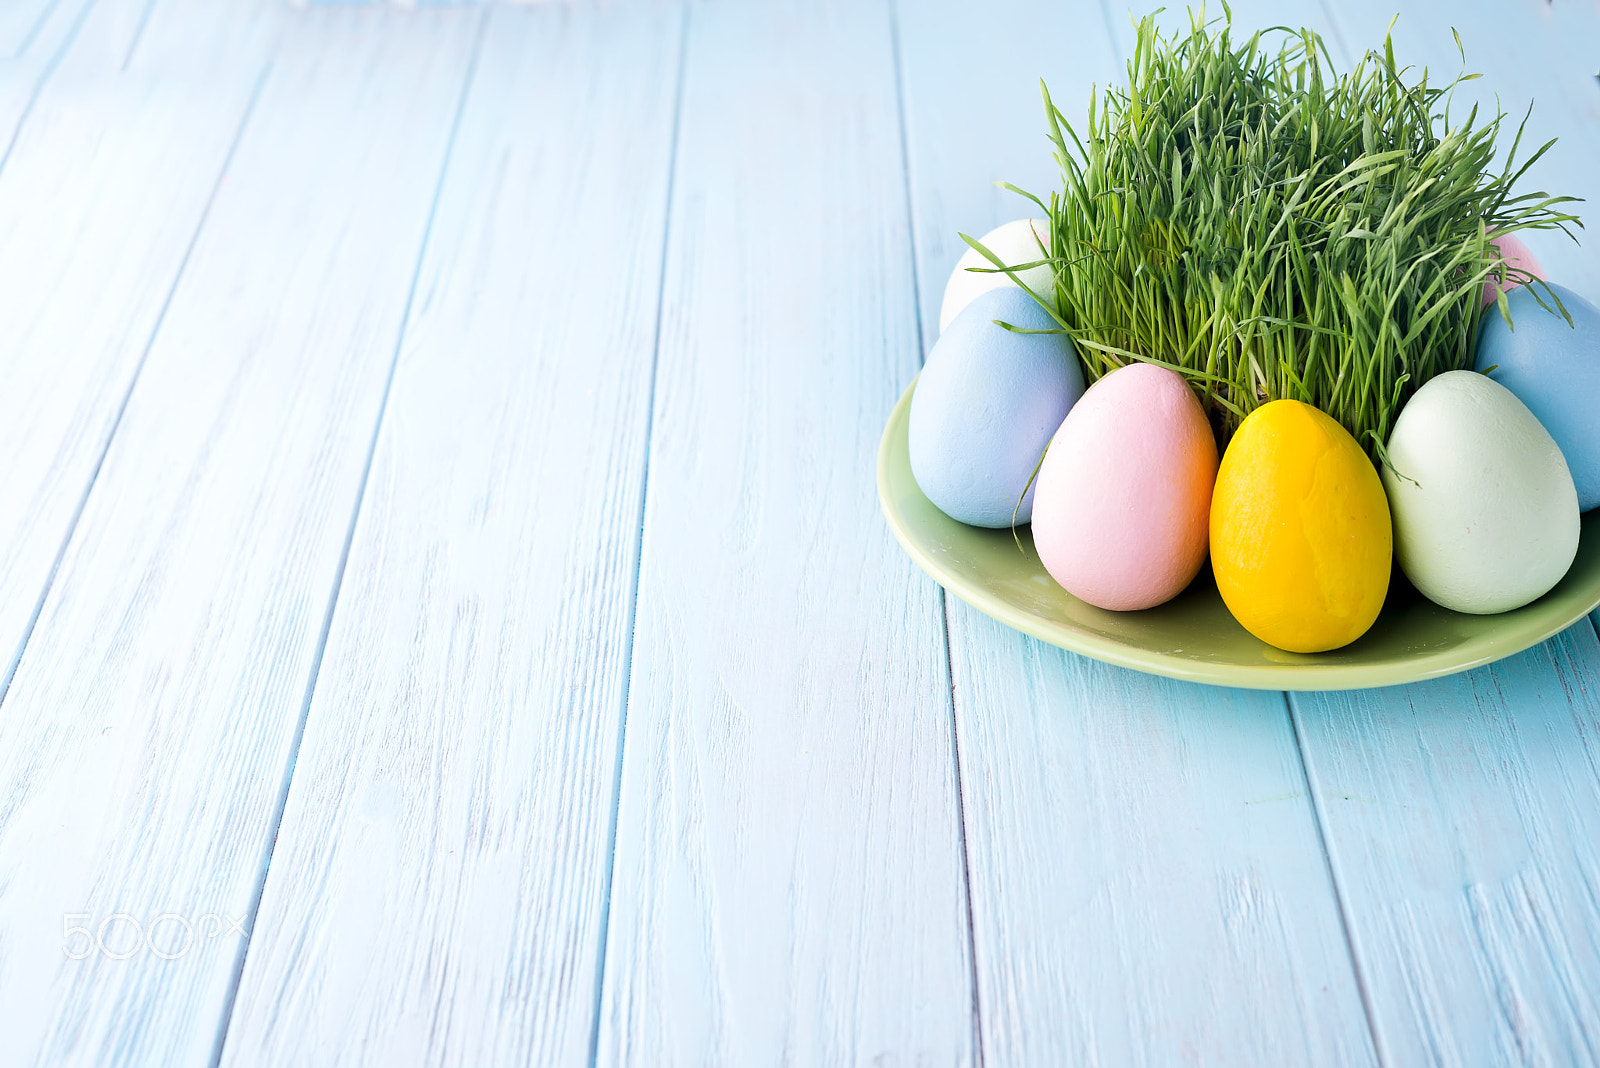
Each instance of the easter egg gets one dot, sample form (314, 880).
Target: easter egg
(1018, 241)
(1120, 516)
(1300, 538)
(1554, 369)
(1515, 254)
(1485, 514)
(985, 406)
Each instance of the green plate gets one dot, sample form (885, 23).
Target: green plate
(1193, 636)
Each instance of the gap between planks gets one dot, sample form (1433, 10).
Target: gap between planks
(638, 547)
(200, 227)
(344, 553)
(1343, 907)
(471, 519)
(133, 382)
(893, 12)
(5, 158)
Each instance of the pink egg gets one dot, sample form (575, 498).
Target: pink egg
(1120, 515)
(1516, 255)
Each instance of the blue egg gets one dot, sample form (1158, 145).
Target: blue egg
(987, 403)
(1554, 369)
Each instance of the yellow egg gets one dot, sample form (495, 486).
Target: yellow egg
(1300, 533)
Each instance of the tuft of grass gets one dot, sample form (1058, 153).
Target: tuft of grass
(1268, 230)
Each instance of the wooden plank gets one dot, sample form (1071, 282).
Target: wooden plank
(151, 722)
(788, 882)
(22, 22)
(111, 31)
(105, 179)
(437, 890)
(198, 38)
(23, 76)
(1140, 851)
(1142, 854)
(99, 203)
(98, 35)
(1462, 816)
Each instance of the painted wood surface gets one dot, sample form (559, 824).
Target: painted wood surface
(629, 735)
(200, 41)
(437, 891)
(1116, 823)
(23, 76)
(1122, 825)
(1462, 816)
(102, 194)
(788, 882)
(22, 22)
(150, 724)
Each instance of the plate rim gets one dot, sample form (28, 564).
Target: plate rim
(1293, 677)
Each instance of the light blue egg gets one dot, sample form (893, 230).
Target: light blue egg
(986, 405)
(1554, 369)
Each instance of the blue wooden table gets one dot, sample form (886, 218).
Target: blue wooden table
(445, 616)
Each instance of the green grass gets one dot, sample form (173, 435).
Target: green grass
(1269, 230)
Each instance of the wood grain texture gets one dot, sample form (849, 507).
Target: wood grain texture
(99, 203)
(788, 883)
(148, 729)
(163, 39)
(1147, 882)
(92, 39)
(22, 22)
(1463, 815)
(23, 77)
(437, 890)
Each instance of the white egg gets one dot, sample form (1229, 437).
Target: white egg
(1018, 241)
(1485, 512)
